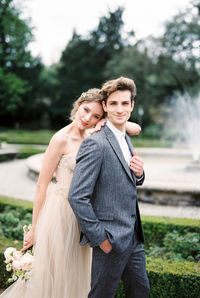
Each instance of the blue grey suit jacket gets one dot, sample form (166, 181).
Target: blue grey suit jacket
(103, 192)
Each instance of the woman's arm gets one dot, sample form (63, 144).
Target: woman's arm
(52, 157)
(132, 129)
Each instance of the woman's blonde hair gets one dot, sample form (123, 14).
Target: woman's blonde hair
(92, 95)
(121, 83)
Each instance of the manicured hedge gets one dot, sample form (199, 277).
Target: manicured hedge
(5, 201)
(23, 153)
(167, 278)
(41, 137)
(155, 228)
(173, 278)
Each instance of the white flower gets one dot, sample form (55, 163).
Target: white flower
(17, 255)
(9, 267)
(27, 275)
(8, 253)
(26, 262)
(16, 265)
(7, 261)
(14, 277)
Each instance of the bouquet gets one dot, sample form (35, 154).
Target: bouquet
(19, 263)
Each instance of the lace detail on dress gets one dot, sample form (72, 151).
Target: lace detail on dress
(59, 189)
(67, 161)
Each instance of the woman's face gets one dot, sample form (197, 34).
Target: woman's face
(88, 114)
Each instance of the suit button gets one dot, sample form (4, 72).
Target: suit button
(132, 215)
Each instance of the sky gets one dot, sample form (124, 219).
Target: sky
(54, 21)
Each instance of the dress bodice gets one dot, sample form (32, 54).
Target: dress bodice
(65, 169)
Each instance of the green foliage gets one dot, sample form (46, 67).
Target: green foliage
(12, 222)
(178, 247)
(83, 60)
(168, 278)
(4, 243)
(173, 278)
(19, 71)
(26, 152)
(11, 89)
(15, 203)
(41, 137)
(156, 228)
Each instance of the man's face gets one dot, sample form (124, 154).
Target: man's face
(119, 108)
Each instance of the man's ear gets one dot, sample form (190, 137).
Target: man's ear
(104, 106)
(132, 105)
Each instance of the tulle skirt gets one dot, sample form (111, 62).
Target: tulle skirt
(61, 266)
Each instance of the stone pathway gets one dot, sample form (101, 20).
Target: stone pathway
(14, 182)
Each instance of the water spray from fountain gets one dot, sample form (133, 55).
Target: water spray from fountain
(187, 116)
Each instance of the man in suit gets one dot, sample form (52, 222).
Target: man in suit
(104, 199)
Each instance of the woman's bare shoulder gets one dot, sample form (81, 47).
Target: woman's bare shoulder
(60, 137)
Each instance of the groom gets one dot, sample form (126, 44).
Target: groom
(104, 199)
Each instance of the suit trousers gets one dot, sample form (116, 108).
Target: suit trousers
(130, 266)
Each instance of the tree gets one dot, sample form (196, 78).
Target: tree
(83, 61)
(19, 71)
(181, 42)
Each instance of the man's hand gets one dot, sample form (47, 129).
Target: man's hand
(136, 165)
(106, 246)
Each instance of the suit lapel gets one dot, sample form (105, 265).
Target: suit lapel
(130, 146)
(115, 146)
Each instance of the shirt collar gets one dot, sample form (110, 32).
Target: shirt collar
(118, 133)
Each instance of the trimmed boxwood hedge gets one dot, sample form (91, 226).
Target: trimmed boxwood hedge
(167, 278)
(155, 228)
(13, 203)
(23, 153)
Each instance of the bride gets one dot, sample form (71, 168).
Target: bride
(61, 267)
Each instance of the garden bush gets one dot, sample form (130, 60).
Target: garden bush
(26, 152)
(12, 222)
(41, 137)
(15, 203)
(168, 278)
(178, 247)
(157, 227)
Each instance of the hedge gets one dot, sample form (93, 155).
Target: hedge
(167, 278)
(23, 153)
(157, 227)
(41, 137)
(5, 201)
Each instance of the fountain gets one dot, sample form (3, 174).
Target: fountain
(187, 115)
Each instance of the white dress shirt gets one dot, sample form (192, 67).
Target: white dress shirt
(120, 136)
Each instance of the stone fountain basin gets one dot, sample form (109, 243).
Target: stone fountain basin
(167, 181)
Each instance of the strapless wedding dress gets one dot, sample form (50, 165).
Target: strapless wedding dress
(61, 266)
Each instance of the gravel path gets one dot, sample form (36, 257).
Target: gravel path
(14, 182)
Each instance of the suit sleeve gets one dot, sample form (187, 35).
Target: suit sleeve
(139, 181)
(89, 160)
